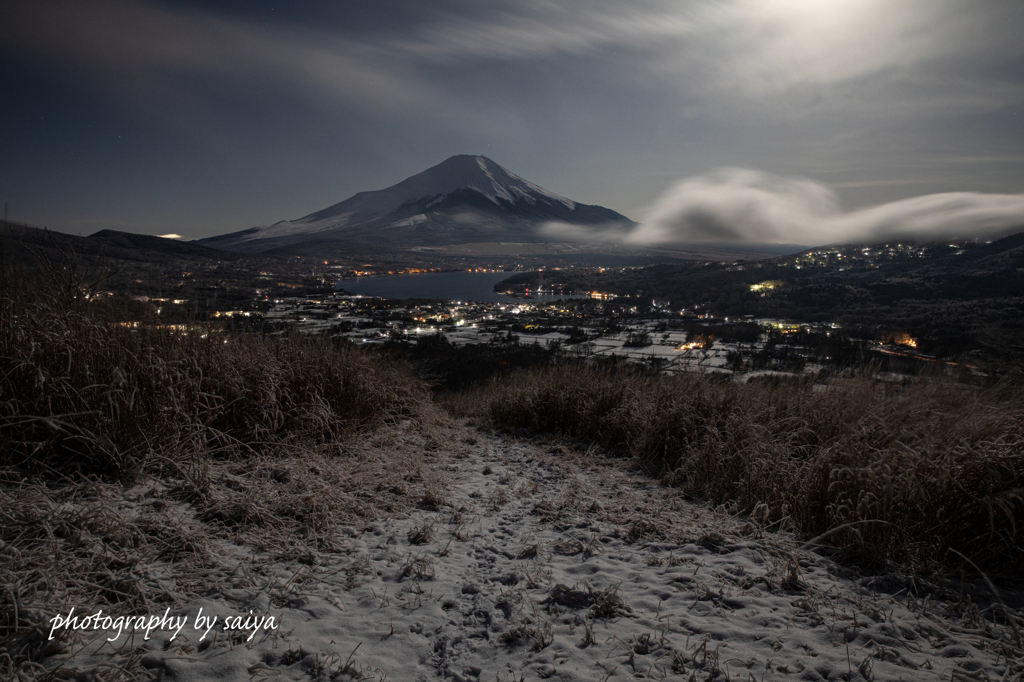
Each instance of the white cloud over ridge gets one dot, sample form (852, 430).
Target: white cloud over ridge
(736, 205)
(743, 206)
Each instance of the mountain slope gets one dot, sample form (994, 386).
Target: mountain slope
(463, 199)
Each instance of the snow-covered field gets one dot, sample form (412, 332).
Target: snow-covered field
(538, 562)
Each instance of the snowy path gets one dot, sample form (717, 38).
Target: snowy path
(537, 566)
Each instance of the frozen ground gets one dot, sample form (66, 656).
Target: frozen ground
(536, 564)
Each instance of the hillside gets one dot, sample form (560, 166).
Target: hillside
(190, 279)
(22, 243)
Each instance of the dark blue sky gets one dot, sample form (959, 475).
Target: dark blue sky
(206, 117)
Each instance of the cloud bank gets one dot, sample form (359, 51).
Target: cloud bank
(712, 53)
(736, 205)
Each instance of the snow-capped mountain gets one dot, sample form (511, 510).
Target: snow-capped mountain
(463, 199)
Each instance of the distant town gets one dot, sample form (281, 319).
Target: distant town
(601, 328)
(904, 306)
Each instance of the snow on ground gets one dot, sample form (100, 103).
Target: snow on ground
(540, 564)
(664, 347)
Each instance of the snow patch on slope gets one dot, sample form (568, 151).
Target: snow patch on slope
(286, 228)
(408, 222)
(515, 186)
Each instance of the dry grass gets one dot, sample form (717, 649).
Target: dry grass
(420, 567)
(424, 533)
(79, 392)
(606, 603)
(132, 459)
(434, 500)
(910, 474)
(161, 543)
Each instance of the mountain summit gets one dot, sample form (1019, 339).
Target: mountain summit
(461, 200)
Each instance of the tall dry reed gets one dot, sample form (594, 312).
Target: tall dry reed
(909, 474)
(80, 391)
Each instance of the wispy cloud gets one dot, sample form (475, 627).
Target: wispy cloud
(533, 30)
(751, 49)
(919, 51)
(609, 233)
(140, 49)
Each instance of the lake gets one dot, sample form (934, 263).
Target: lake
(453, 286)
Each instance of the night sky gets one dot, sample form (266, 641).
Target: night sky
(769, 120)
